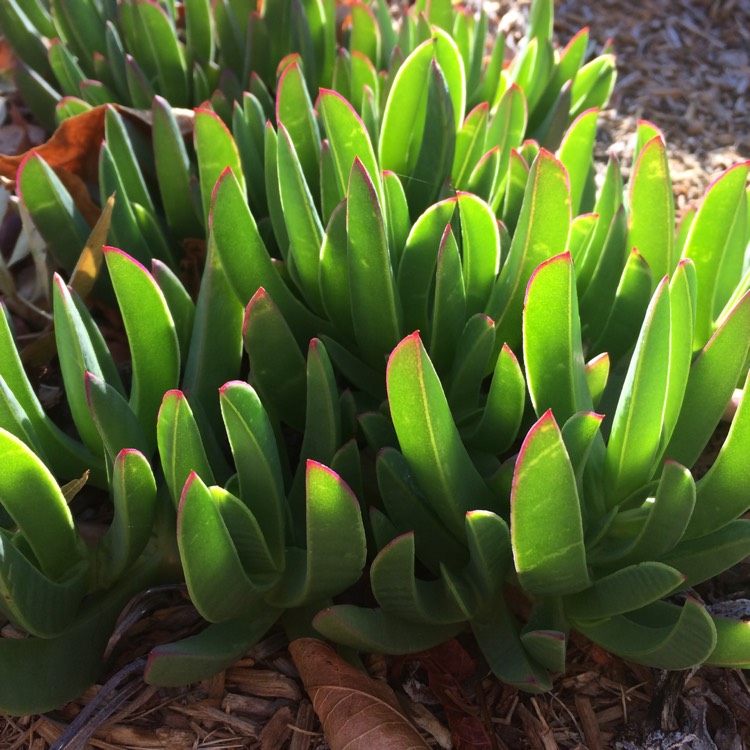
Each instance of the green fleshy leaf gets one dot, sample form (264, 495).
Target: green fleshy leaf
(220, 587)
(376, 310)
(449, 308)
(425, 181)
(216, 150)
(713, 377)
(67, 458)
(540, 234)
(170, 59)
(335, 552)
(709, 244)
(348, 139)
(498, 639)
(134, 499)
(334, 274)
(472, 358)
(243, 254)
(651, 222)
(490, 557)
(410, 510)
(46, 524)
(576, 154)
(173, 171)
(428, 436)
(255, 451)
(633, 446)
(553, 353)
(277, 365)
(50, 672)
(581, 437)
(596, 301)
(665, 523)
(416, 270)
(681, 638)
(624, 590)
(216, 344)
(209, 652)
(509, 201)
(628, 309)
(180, 303)
(503, 410)
(682, 296)
(180, 445)
(43, 607)
(405, 110)
(608, 203)
(593, 84)
(302, 220)
(199, 29)
(77, 355)
(597, 373)
(550, 559)
(470, 144)
(397, 221)
(709, 555)
(400, 593)
(480, 243)
(732, 644)
(118, 425)
(52, 210)
(376, 631)
(720, 493)
(154, 348)
(295, 111)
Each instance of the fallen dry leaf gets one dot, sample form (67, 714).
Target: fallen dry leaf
(90, 261)
(6, 57)
(74, 146)
(357, 712)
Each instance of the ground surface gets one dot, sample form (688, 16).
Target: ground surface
(685, 64)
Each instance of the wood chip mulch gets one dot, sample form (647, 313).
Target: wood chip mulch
(684, 64)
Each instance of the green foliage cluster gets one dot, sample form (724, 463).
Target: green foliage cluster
(428, 343)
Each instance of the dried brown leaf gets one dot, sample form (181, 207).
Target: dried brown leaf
(74, 146)
(90, 261)
(357, 712)
(6, 57)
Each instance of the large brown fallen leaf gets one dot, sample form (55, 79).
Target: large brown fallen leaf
(357, 712)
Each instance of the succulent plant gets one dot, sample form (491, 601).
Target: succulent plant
(276, 533)
(444, 318)
(596, 522)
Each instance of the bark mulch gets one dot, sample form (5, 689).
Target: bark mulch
(684, 64)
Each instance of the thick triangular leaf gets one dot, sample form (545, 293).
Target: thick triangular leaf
(550, 558)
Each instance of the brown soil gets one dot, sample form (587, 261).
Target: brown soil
(685, 65)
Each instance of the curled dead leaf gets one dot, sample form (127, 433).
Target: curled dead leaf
(74, 146)
(357, 712)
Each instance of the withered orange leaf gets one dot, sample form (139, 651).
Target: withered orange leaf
(91, 259)
(74, 146)
(357, 712)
